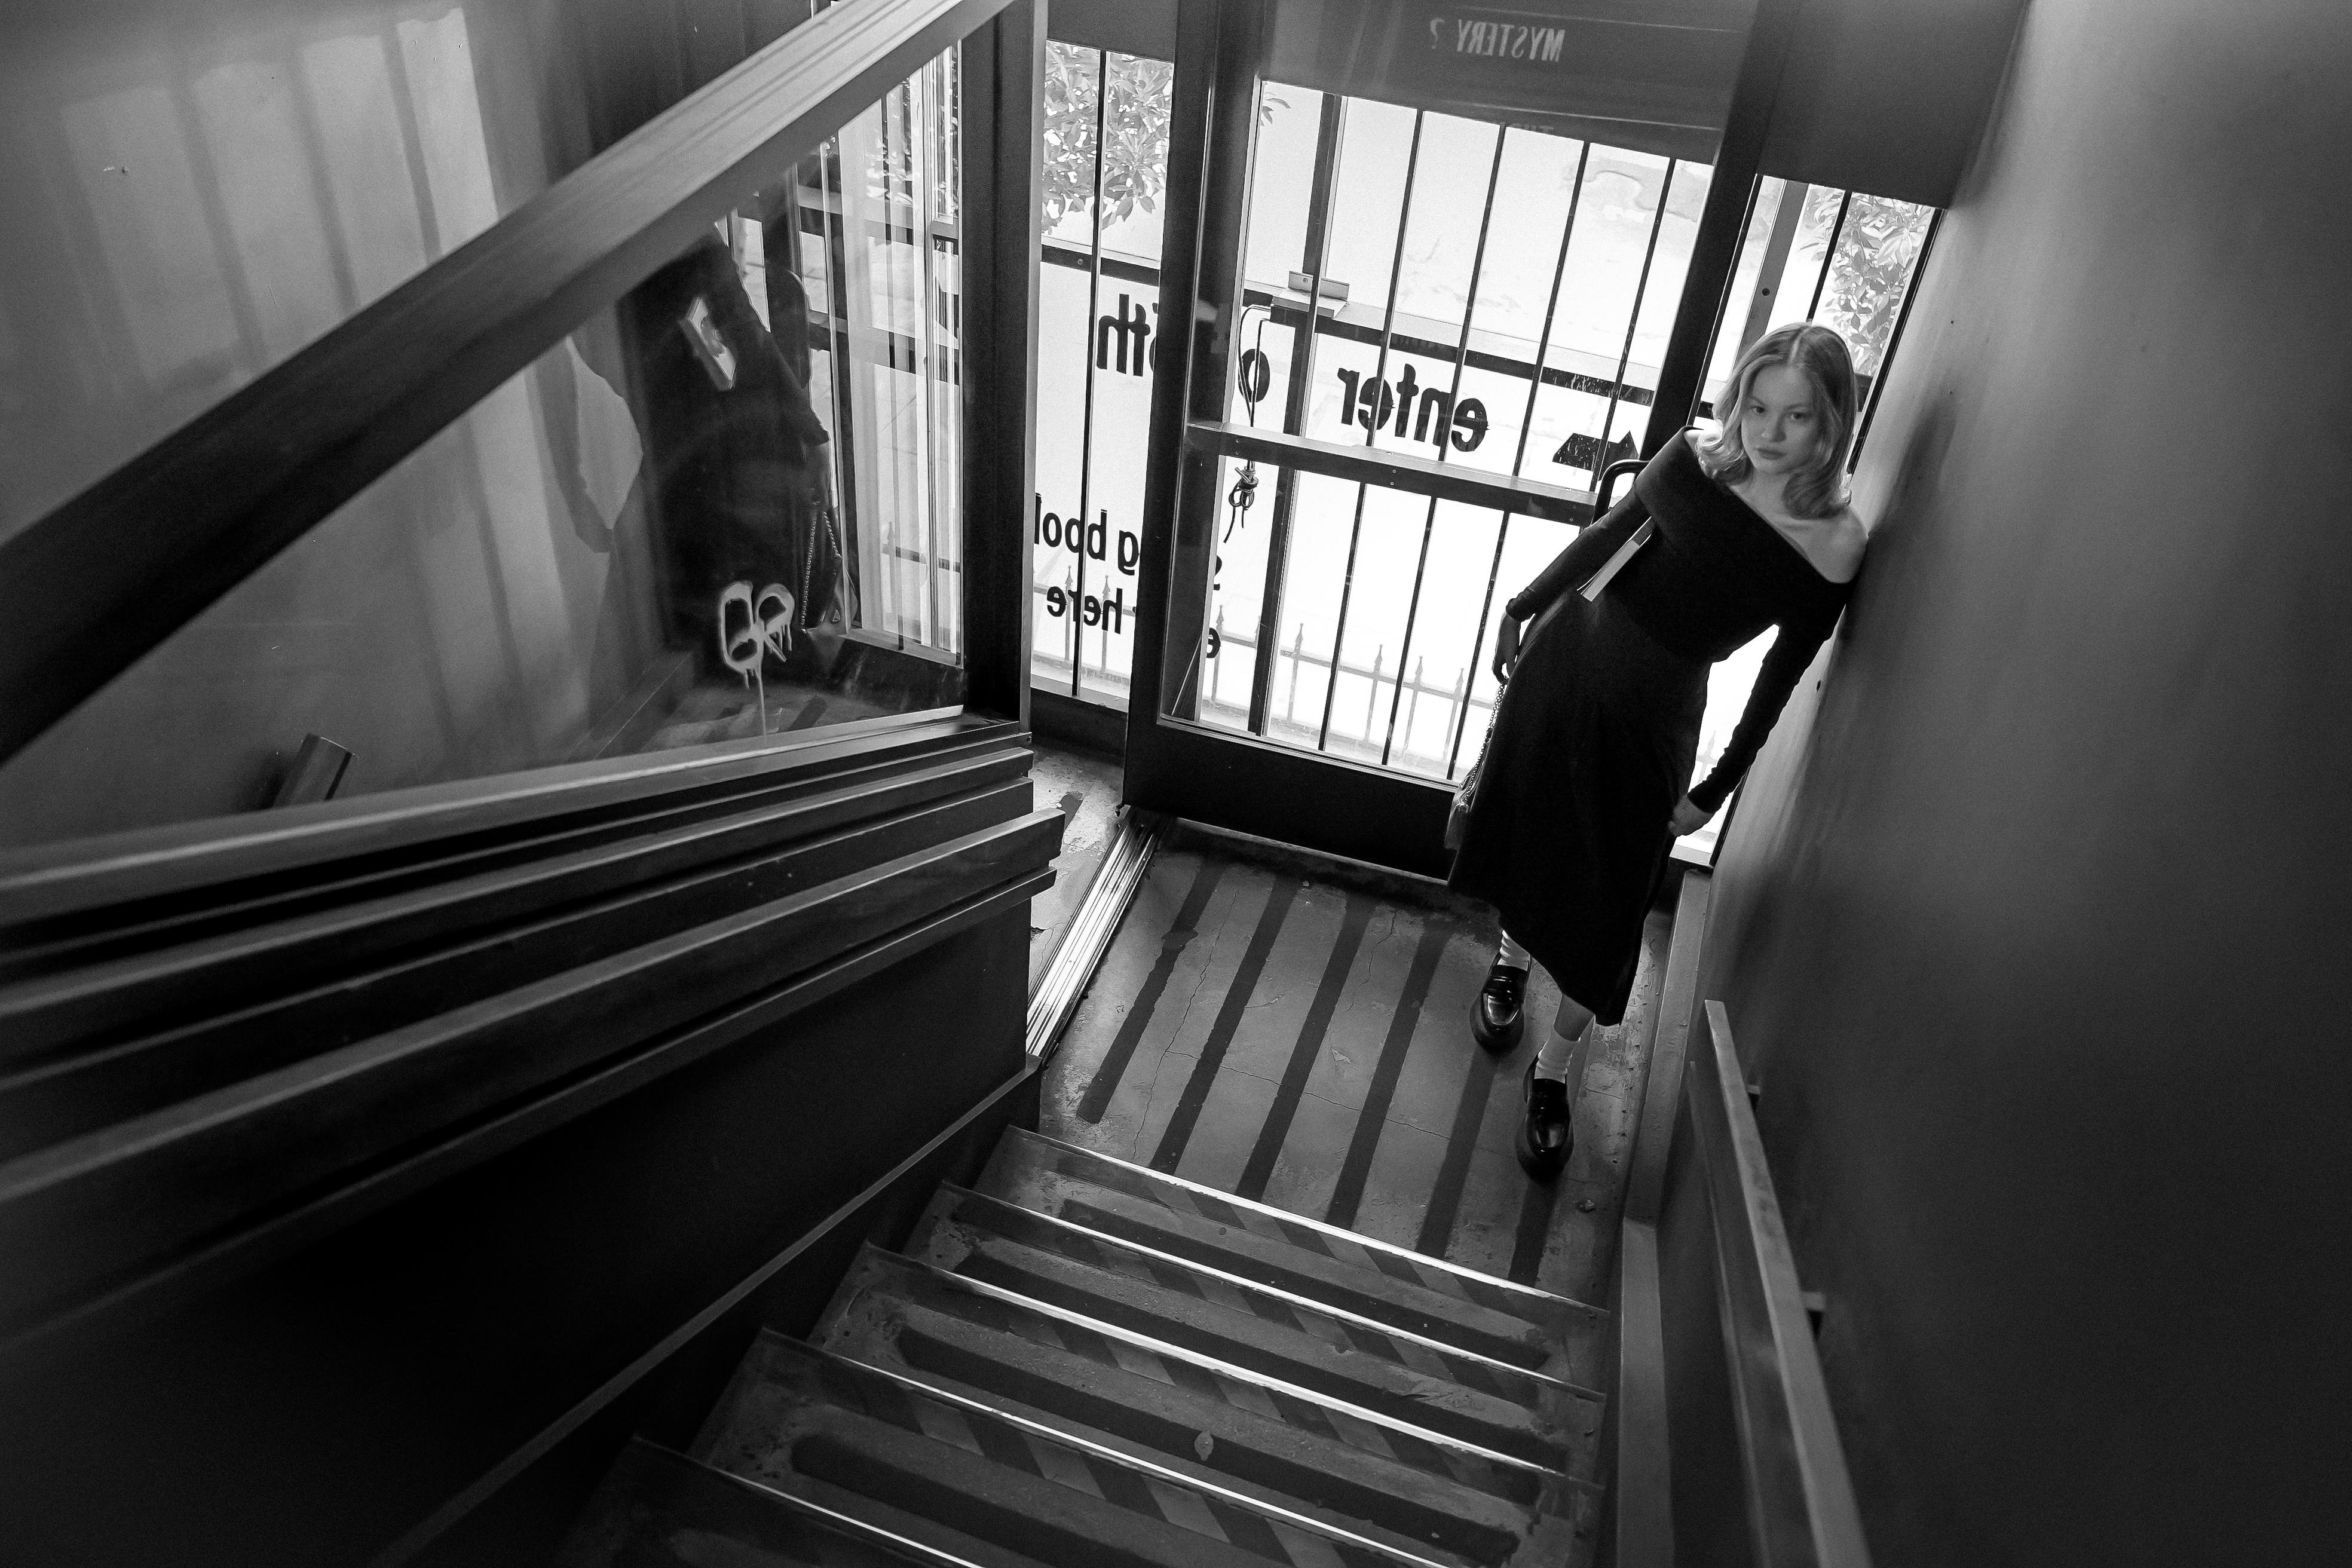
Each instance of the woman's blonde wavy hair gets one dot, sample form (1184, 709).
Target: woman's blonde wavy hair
(1818, 488)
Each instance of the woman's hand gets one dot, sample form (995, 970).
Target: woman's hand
(1506, 647)
(1689, 817)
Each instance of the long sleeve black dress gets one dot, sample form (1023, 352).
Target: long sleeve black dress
(1598, 729)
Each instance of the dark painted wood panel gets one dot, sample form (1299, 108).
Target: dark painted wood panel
(324, 1407)
(188, 980)
(226, 1042)
(1003, 184)
(1145, 27)
(58, 893)
(100, 1208)
(1280, 793)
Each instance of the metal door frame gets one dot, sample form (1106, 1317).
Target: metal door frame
(1240, 782)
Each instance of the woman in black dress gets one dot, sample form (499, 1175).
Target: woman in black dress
(1583, 787)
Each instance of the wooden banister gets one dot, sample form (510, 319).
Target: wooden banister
(1719, 1387)
(1800, 1504)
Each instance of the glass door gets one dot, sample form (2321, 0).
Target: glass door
(1437, 295)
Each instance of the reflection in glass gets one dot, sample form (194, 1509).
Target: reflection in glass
(727, 507)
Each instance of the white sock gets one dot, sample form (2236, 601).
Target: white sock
(1511, 955)
(1557, 1055)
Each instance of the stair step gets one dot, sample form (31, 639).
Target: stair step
(1351, 1358)
(1378, 1477)
(1489, 1317)
(658, 1509)
(786, 1394)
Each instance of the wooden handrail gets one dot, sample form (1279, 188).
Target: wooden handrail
(1799, 1499)
(89, 588)
(1800, 1504)
(1643, 1493)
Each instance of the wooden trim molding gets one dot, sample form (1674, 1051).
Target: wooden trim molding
(52, 897)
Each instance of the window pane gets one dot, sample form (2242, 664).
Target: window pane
(726, 506)
(1876, 252)
(1322, 514)
(1685, 197)
(1098, 299)
(1367, 199)
(1282, 177)
(1515, 282)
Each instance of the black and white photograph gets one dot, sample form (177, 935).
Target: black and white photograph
(1175, 784)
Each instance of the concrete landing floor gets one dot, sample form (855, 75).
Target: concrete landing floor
(1272, 1032)
(1085, 788)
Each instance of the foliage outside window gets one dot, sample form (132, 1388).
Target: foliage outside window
(1134, 133)
(1876, 251)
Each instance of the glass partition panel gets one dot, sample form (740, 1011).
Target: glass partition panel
(726, 506)
(1104, 157)
(197, 192)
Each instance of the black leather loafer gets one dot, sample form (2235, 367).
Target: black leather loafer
(1495, 1015)
(1547, 1127)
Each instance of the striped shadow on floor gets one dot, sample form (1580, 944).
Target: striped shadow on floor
(1272, 1032)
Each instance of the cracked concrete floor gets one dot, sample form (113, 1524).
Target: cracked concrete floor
(1306, 1044)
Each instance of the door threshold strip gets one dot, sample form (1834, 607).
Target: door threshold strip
(1089, 938)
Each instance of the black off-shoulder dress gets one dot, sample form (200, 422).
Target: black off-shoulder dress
(1599, 727)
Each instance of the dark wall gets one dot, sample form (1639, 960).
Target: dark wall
(316, 1411)
(1888, 95)
(2034, 921)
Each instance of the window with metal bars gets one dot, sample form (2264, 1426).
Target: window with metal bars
(1492, 299)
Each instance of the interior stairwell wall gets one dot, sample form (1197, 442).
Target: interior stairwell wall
(2034, 921)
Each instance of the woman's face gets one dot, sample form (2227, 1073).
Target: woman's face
(1780, 425)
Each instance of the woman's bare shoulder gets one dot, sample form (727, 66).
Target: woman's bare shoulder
(1842, 546)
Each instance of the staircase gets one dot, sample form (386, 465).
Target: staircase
(1083, 1362)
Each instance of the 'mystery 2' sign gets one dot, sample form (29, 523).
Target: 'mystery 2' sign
(1661, 76)
(1498, 36)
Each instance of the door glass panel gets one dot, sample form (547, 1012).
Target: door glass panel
(727, 507)
(1105, 155)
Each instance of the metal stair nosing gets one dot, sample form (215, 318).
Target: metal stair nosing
(660, 1509)
(1424, 1488)
(915, 1274)
(780, 1371)
(970, 1206)
(1500, 1319)
(1553, 1424)
(1279, 1457)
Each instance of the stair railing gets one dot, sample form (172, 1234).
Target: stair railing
(1726, 1446)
